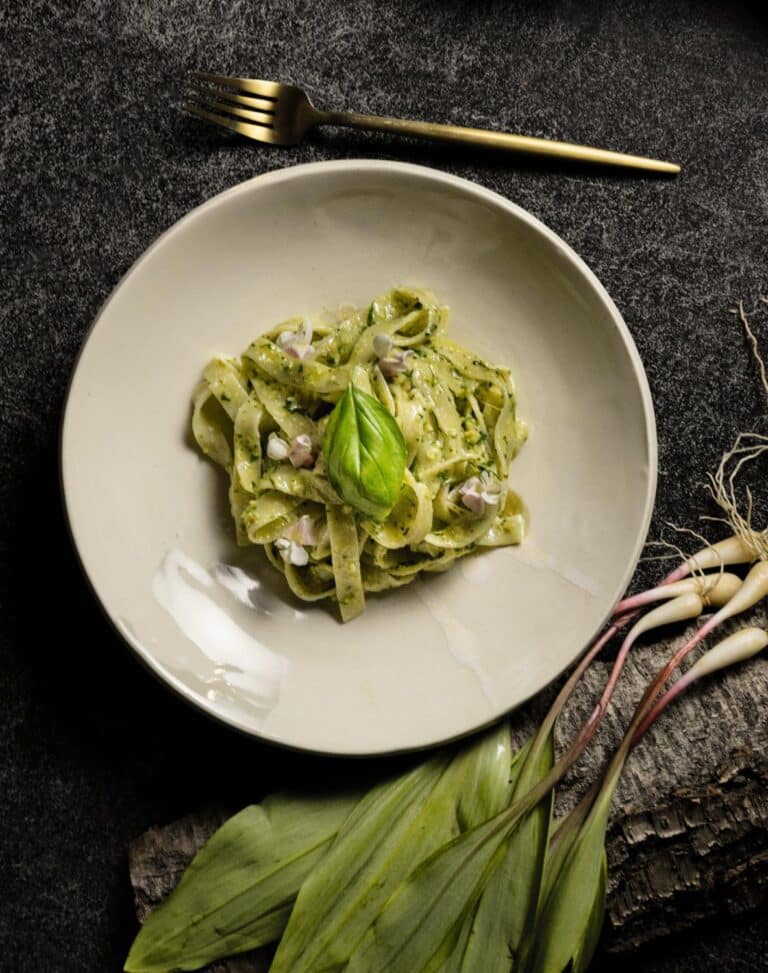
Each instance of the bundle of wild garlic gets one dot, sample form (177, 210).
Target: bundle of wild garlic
(453, 866)
(457, 866)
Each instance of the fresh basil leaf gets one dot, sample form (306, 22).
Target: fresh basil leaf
(365, 453)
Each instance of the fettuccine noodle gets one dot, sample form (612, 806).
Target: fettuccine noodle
(262, 418)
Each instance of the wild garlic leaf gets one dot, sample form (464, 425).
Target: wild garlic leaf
(428, 908)
(567, 927)
(359, 869)
(238, 890)
(506, 913)
(588, 945)
(365, 453)
(481, 772)
(425, 914)
(381, 843)
(564, 835)
(489, 778)
(451, 956)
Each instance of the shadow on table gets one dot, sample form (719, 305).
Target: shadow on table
(683, 952)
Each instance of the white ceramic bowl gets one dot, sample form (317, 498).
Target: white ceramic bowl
(425, 663)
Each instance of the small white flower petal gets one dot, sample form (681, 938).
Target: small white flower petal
(300, 453)
(277, 448)
(303, 531)
(382, 345)
(475, 495)
(298, 556)
(473, 501)
(299, 349)
(283, 546)
(474, 485)
(298, 344)
(394, 364)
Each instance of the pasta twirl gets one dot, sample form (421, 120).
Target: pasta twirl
(263, 417)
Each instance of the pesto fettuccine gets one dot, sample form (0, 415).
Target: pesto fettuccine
(364, 449)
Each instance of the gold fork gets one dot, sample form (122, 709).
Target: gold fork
(282, 114)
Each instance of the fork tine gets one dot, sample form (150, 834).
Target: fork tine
(266, 89)
(251, 130)
(225, 108)
(262, 105)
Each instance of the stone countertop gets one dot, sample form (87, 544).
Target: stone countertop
(97, 161)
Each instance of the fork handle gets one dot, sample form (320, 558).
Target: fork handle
(525, 144)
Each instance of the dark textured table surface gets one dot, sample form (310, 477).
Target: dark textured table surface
(97, 161)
